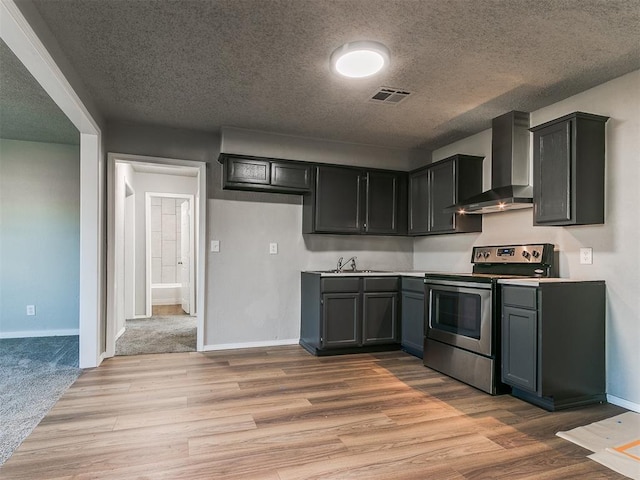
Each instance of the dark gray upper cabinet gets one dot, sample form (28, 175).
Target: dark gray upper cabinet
(441, 179)
(440, 185)
(337, 200)
(568, 170)
(354, 201)
(295, 176)
(265, 174)
(418, 202)
(385, 203)
(247, 170)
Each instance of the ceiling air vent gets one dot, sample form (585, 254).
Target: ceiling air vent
(388, 96)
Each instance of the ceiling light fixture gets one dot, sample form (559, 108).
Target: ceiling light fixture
(359, 59)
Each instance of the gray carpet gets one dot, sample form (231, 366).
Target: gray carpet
(34, 373)
(158, 334)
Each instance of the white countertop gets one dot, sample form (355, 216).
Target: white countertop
(526, 282)
(373, 273)
(535, 282)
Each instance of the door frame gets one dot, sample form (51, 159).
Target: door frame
(130, 253)
(200, 212)
(147, 228)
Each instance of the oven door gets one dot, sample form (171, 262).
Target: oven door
(460, 314)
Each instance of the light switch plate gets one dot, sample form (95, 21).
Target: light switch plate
(586, 256)
(31, 310)
(273, 248)
(215, 245)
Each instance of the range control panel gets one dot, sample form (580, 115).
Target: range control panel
(533, 253)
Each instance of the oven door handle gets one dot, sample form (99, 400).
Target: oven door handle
(454, 283)
(429, 310)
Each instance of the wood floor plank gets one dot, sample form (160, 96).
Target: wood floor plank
(278, 413)
(277, 434)
(202, 428)
(378, 462)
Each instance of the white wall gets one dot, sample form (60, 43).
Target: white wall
(39, 238)
(254, 297)
(615, 256)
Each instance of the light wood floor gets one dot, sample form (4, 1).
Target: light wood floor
(282, 414)
(167, 310)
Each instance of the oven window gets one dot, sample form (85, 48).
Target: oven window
(457, 312)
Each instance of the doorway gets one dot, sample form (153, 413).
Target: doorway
(156, 227)
(170, 267)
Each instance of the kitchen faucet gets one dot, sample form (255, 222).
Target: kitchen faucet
(341, 265)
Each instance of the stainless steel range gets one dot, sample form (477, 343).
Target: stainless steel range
(462, 312)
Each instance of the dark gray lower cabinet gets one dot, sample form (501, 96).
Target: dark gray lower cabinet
(553, 343)
(412, 322)
(348, 314)
(520, 340)
(380, 318)
(340, 320)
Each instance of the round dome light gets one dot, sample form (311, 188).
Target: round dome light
(359, 59)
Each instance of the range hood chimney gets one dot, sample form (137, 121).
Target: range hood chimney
(510, 188)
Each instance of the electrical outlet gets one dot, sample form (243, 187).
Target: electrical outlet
(215, 245)
(586, 256)
(273, 248)
(31, 310)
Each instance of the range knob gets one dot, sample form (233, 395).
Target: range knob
(485, 254)
(535, 254)
(526, 255)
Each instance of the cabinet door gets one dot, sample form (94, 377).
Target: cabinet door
(412, 324)
(380, 318)
(338, 200)
(552, 177)
(520, 348)
(381, 203)
(419, 202)
(442, 194)
(291, 176)
(247, 170)
(340, 320)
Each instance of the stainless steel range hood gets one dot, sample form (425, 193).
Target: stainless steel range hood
(510, 187)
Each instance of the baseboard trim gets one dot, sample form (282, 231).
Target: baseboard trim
(119, 334)
(621, 402)
(102, 356)
(41, 333)
(233, 346)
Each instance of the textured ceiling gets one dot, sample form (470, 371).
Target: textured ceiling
(26, 111)
(263, 64)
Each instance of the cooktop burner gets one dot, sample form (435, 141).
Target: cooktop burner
(508, 261)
